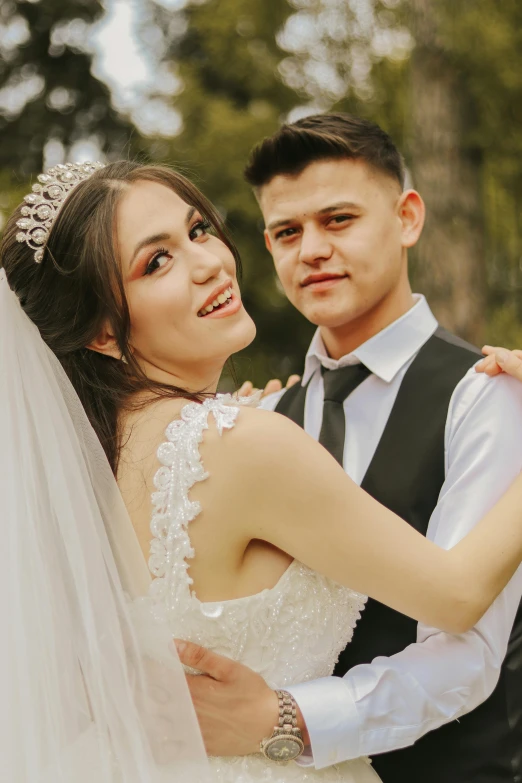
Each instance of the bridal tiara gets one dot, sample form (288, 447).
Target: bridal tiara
(43, 204)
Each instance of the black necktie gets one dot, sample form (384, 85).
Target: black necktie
(338, 385)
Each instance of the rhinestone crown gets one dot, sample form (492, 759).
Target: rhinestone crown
(43, 204)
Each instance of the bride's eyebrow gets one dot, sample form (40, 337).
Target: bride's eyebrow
(155, 238)
(151, 240)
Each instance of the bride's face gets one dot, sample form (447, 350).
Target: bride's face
(174, 272)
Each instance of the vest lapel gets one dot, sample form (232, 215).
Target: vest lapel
(407, 470)
(292, 403)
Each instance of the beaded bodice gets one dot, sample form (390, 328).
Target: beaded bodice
(289, 633)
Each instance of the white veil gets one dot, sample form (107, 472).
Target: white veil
(79, 702)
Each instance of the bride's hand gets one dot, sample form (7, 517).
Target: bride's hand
(500, 360)
(275, 385)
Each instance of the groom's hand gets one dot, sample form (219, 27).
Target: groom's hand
(272, 386)
(235, 707)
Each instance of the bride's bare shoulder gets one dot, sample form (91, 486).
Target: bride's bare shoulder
(146, 423)
(259, 439)
(142, 431)
(264, 425)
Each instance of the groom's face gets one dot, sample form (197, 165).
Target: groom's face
(338, 237)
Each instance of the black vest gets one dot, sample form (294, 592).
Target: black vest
(406, 475)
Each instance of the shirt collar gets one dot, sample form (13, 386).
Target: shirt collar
(386, 352)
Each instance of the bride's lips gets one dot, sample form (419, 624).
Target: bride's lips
(218, 290)
(229, 308)
(322, 281)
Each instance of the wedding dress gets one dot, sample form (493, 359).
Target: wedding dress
(290, 633)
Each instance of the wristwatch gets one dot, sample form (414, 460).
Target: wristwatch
(286, 741)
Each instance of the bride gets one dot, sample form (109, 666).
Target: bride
(119, 305)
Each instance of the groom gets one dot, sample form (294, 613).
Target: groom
(396, 401)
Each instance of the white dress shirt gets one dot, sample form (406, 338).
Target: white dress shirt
(391, 702)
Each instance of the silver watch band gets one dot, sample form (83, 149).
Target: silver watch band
(287, 710)
(286, 741)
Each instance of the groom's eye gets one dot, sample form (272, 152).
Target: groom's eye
(340, 219)
(286, 232)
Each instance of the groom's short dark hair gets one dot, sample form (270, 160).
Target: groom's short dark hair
(322, 137)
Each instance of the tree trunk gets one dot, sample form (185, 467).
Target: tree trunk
(449, 259)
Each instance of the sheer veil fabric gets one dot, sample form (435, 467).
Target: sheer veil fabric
(79, 701)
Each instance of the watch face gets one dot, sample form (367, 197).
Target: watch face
(284, 749)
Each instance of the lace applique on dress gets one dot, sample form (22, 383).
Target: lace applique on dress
(173, 510)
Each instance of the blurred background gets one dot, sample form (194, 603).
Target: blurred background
(196, 83)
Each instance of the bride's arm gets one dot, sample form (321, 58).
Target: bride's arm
(290, 492)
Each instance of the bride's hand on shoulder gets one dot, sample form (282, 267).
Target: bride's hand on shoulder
(274, 385)
(498, 360)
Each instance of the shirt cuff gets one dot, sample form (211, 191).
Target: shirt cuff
(331, 718)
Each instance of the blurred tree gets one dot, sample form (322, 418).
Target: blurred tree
(447, 169)
(484, 40)
(48, 93)
(233, 96)
(11, 194)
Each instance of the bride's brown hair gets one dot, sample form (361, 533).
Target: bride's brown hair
(79, 286)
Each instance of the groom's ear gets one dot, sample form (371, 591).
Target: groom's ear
(411, 213)
(268, 242)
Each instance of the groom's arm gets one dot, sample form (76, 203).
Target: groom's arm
(392, 702)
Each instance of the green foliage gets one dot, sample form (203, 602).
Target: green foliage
(44, 56)
(486, 40)
(11, 194)
(484, 43)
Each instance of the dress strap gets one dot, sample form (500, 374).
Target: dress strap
(181, 468)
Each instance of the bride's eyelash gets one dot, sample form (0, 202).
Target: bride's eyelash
(203, 223)
(161, 251)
